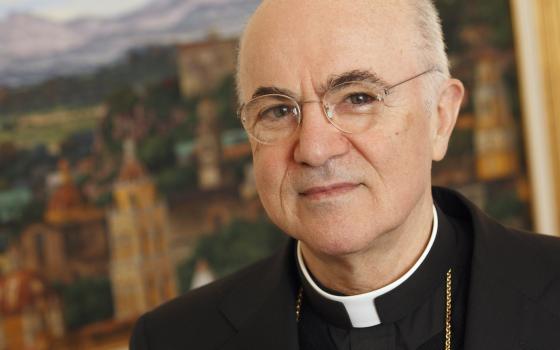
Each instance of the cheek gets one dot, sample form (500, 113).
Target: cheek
(401, 151)
(414, 148)
(270, 168)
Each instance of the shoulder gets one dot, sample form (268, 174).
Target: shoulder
(547, 247)
(194, 318)
(525, 261)
(494, 235)
(527, 255)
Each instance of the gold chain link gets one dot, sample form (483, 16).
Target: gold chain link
(298, 303)
(448, 311)
(448, 300)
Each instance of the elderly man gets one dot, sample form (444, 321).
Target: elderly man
(347, 104)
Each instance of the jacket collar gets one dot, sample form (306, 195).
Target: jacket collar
(394, 301)
(501, 288)
(503, 283)
(508, 266)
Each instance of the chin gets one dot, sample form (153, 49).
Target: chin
(337, 244)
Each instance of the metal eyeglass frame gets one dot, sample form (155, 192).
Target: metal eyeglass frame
(328, 113)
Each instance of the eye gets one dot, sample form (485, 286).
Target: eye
(360, 99)
(276, 112)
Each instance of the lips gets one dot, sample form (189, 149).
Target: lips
(330, 190)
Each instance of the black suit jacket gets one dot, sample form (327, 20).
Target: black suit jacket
(513, 302)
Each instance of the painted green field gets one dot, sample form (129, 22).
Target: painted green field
(49, 128)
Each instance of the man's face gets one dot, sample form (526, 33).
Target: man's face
(337, 192)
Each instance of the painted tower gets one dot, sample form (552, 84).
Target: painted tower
(495, 132)
(142, 274)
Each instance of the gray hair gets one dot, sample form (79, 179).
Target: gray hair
(431, 43)
(431, 46)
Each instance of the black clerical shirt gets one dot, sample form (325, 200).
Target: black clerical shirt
(412, 315)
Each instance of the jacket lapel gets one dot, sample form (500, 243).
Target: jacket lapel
(263, 312)
(502, 312)
(493, 314)
(503, 282)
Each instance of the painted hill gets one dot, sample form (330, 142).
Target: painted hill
(34, 48)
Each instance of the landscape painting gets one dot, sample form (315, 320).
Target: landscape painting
(126, 178)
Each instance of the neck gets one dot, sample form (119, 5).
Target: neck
(388, 258)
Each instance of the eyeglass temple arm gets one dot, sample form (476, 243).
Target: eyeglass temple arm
(433, 69)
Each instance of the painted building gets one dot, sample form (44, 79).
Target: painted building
(71, 242)
(142, 273)
(30, 313)
(204, 65)
(496, 135)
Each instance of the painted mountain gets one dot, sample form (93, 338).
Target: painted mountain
(34, 48)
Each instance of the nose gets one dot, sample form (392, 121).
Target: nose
(318, 140)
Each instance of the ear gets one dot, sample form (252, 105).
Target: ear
(448, 104)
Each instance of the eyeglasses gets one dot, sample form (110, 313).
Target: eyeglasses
(351, 107)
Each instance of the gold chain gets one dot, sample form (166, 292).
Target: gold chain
(448, 310)
(448, 300)
(298, 303)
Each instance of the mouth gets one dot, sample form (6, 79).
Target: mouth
(319, 192)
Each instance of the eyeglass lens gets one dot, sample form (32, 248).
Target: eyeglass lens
(351, 107)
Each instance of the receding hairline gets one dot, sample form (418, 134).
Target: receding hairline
(426, 21)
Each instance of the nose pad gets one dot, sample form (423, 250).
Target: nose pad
(329, 112)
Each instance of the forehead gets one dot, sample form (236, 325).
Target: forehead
(299, 44)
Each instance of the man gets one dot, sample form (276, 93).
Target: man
(347, 104)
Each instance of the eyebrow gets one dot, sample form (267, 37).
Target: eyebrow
(354, 75)
(332, 82)
(272, 90)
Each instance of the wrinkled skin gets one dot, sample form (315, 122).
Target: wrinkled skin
(360, 203)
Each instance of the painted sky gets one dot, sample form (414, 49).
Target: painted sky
(62, 10)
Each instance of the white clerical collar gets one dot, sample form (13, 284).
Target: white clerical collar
(361, 308)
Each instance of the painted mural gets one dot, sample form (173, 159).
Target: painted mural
(126, 179)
